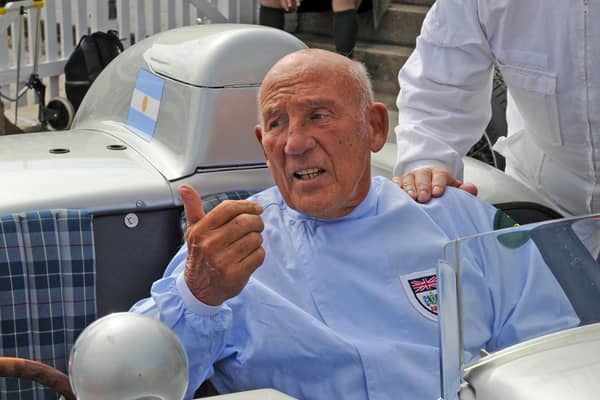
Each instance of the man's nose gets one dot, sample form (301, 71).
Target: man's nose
(299, 141)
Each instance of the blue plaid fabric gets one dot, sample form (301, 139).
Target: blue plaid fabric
(47, 290)
(211, 201)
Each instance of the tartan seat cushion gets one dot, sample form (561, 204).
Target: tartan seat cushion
(47, 290)
(211, 201)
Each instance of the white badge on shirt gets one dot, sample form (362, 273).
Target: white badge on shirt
(421, 290)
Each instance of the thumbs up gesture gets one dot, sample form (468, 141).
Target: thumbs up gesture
(224, 246)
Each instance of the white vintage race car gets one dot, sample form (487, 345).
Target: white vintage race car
(180, 107)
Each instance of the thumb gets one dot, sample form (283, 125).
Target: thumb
(192, 204)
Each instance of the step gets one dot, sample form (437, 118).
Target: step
(400, 25)
(383, 61)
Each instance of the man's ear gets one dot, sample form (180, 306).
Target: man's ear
(378, 123)
(258, 134)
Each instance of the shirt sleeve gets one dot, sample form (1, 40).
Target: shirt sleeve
(200, 328)
(445, 89)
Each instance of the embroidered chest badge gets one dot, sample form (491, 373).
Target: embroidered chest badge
(421, 289)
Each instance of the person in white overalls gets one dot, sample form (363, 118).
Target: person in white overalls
(548, 53)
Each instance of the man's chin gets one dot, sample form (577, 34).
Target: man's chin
(313, 206)
(320, 210)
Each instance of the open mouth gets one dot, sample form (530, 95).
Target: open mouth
(308, 173)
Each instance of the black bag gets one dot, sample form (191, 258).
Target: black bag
(91, 55)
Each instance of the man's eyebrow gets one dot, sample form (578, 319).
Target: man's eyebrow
(271, 110)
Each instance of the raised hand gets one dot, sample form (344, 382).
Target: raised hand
(224, 246)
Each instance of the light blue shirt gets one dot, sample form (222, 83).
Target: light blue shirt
(331, 313)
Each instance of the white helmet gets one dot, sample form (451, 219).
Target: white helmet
(128, 356)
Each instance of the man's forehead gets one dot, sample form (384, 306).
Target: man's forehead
(312, 83)
(276, 104)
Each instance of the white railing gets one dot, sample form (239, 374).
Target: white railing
(65, 21)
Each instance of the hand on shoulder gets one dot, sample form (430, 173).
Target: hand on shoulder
(424, 183)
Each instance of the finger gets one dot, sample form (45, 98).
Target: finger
(251, 262)
(230, 232)
(407, 183)
(440, 178)
(470, 188)
(244, 246)
(192, 204)
(423, 184)
(236, 278)
(243, 225)
(230, 209)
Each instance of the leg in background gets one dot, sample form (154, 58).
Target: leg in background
(271, 14)
(345, 25)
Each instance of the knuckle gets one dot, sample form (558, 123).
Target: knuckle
(408, 182)
(260, 255)
(205, 246)
(260, 223)
(257, 238)
(227, 203)
(242, 221)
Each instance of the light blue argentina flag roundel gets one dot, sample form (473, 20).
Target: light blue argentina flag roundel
(145, 102)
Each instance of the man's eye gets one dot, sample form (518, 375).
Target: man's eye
(274, 124)
(317, 116)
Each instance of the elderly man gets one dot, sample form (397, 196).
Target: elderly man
(308, 287)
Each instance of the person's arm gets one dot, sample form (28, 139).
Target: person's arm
(222, 250)
(201, 333)
(444, 100)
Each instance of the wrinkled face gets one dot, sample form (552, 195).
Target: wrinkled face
(315, 138)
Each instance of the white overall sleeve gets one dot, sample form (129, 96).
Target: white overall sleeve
(445, 89)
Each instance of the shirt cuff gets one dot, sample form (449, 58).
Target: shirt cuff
(191, 302)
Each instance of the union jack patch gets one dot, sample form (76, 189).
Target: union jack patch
(421, 289)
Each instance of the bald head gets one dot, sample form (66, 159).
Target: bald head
(304, 63)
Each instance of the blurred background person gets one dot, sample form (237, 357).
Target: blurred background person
(345, 17)
(544, 50)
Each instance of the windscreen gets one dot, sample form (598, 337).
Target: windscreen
(506, 287)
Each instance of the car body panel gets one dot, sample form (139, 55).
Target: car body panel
(88, 176)
(563, 365)
(207, 117)
(204, 135)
